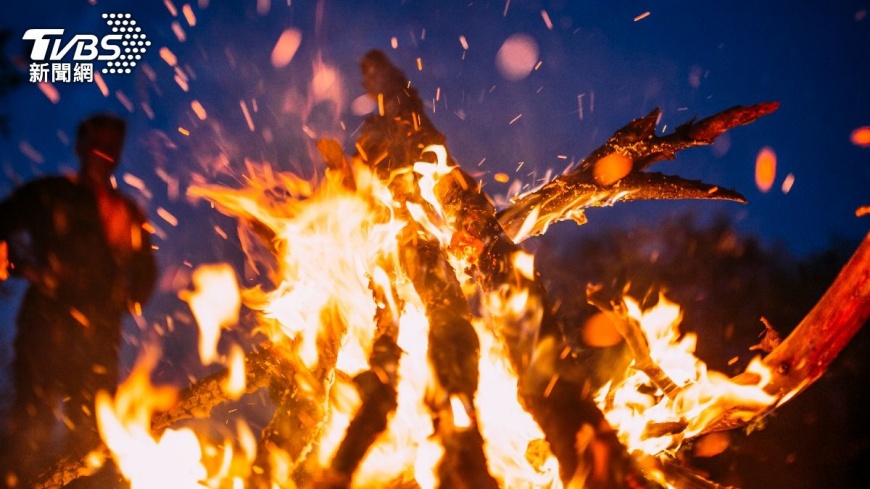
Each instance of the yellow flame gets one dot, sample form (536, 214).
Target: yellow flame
(525, 263)
(334, 247)
(516, 452)
(234, 384)
(173, 460)
(405, 450)
(215, 303)
(655, 422)
(461, 419)
(431, 173)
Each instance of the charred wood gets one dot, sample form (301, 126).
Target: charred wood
(377, 389)
(550, 388)
(624, 157)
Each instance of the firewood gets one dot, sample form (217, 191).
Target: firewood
(393, 140)
(637, 147)
(682, 477)
(454, 353)
(300, 396)
(377, 389)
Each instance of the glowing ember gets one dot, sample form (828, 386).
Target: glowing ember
(189, 15)
(641, 16)
(861, 137)
(611, 169)
(49, 91)
(788, 183)
(765, 169)
(199, 110)
(98, 79)
(168, 56)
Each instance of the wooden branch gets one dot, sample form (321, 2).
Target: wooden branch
(300, 396)
(623, 157)
(196, 401)
(377, 389)
(681, 477)
(454, 354)
(808, 351)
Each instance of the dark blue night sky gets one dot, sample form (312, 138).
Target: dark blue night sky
(688, 58)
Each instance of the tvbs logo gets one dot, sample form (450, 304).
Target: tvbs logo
(71, 59)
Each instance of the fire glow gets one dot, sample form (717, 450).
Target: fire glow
(635, 405)
(350, 332)
(332, 246)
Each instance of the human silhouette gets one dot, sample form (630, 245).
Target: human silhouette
(83, 248)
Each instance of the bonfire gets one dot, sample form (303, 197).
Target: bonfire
(411, 343)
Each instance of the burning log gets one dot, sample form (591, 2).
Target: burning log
(614, 172)
(393, 140)
(299, 396)
(634, 337)
(453, 344)
(377, 388)
(454, 356)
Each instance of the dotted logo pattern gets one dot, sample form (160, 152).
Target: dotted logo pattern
(135, 43)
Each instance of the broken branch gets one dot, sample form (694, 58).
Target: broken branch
(629, 151)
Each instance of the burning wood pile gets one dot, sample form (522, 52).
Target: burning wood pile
(411, 343)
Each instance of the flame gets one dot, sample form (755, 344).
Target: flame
(654, 422)
(406, 449)
(331, 245)
(515, 448)
(173, 460)
(215, 303)
(334, 252)
(234, 384)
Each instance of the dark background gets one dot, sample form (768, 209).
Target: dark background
(687, 58)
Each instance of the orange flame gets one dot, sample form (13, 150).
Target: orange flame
(701, 396)
(124, 423)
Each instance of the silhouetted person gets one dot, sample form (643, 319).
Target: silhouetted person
(81, 245)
